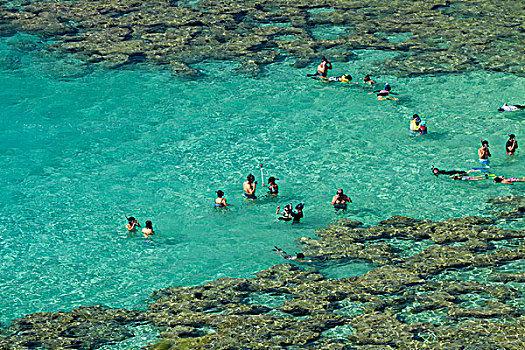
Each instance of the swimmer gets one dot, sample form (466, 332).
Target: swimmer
(298, 256)
(368, 80)
(132, 223)
(438, 172)
(510, 108)
(298, 214)
(508, 181)
(249, 187)
(340, 200)
(148, 230)
(414, 123)
(385, 93)
(323, 67)
(484, 153)
(273, 188)
(220, 202)
(470, 178)
(512, 145)
(345, 78)
(286, 213)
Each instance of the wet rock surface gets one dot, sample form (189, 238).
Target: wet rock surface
(435, 298)
(433, 36)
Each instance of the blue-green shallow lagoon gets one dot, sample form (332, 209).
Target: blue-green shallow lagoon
(81, 147)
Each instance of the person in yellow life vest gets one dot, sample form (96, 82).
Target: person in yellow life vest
(414, 123)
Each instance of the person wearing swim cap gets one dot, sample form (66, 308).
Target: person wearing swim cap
(512, 145)
(508, 181)
(510, 108)
(484, 153)
(340, 200)
(385, 93)
(220, 202)
(273, 188)
(323, 67)
(249, 186)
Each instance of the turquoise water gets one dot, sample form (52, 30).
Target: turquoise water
(81, 147)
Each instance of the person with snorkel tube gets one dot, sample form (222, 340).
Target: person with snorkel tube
(484, 153)
(132, 223)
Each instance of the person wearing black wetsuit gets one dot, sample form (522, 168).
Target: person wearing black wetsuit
(438, 172)
(297, 215)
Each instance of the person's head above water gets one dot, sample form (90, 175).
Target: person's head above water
(299, 206)
(387, 87)
(512, 137)
(220, 193)
(435, 171)
(132, 220)
(340, 192)
(300, 256)
(149, 225)
(323, 59)
(271, 180)
(484, 143)
(250, 178)
(347, 77)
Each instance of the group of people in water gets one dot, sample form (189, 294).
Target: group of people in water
(133, 223)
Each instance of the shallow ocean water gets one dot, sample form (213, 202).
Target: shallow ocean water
(82, 147)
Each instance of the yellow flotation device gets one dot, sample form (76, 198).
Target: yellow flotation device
(414, 126)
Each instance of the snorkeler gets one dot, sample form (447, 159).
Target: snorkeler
(148, 230)
(298, 256)
(249, 187)
(345, 78)
(132, 223)
(471, 178)
(298, 213)
(508, 181)
(423, 128)
(323, 67)
(368, 80)
(286, 213)
(512, 145)
(484, 153)
(438, 172)
(510, 108)
(385, 93)
(220, 202)
(273, 188)
(340, 200)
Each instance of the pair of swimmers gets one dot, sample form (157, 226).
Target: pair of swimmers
(464, 176)
(134, 223)
(325, 66)
(484, 153)
(250, 185)
(288, 214)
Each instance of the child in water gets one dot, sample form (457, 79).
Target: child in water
(148, 230)
(220, 202)
(273, 188)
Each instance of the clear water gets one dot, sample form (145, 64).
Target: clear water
(80, 148)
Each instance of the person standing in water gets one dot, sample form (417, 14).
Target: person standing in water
(512, 144)
(273, 188)
(132, 224)
(220, 202)
(340, 200)
(323, 67)
(249, 186)
(148, 230)
(484, 153)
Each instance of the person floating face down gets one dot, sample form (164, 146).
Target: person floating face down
(384, 93)
(249, 186)
(484, 153)
(512, 145)
(323, 67)
(340, 200)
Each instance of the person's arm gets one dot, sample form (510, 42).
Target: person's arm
(328, 65)
(224, 202)
(373, 92)
(507, 182)
(348, 199)
(488, 153)
(278, 208)
(334, 198)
